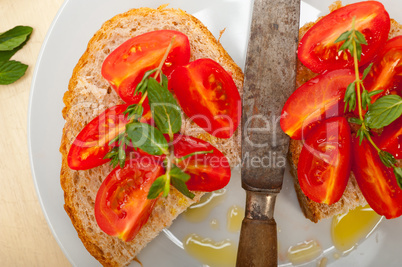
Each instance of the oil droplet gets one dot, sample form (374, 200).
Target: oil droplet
(304, 252)
(235, 217)
(200, 211)
(336, 256)
(323, 262)
(214, 224)
(207, 251)
(348, 229)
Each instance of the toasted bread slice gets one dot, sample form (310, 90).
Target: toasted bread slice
(352, 196)
(89, 94)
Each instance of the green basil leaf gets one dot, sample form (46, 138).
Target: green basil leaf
(398, 176)
(384, 111)
(157, 187)
(182, 187)
(178, 173)
(147, 138)
(343, 36)
(165, 110)
(14, 37)
(11, 71)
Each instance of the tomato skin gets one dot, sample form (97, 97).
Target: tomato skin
(317, 50)
(209, 96)
(319, 98)
(386, 71)
(125, 67)
(324, 181)
(92, 143)
(209, 172)
(376, 181)
(391, 138)
(121, 204)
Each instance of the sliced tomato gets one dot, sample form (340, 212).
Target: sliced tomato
(125, 67)
(324, 163)
(319, 98)
(376, 181)
(209, 96)
(391, 139)
(92, 144)
(209, 172)
(318, 50)
(386, 72)
(121, 204)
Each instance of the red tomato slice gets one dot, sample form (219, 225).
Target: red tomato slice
(121, 204)
(391, 139)
(209, 96)
(324, 163)
(92, 144)
(376, 181)
(317, 50)
(125, 67)
(209, 172)
(386, 73)
(319, 98)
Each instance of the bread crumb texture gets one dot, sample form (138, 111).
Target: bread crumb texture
(352, 196)
(89, 94)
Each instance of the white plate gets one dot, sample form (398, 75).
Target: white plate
(66, 41)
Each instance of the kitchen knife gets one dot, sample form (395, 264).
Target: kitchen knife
(270, 77)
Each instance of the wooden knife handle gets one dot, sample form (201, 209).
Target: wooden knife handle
(258, 244)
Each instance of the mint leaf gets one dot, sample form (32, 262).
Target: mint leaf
(14, 37)
(387, 158)
(182, 187)
(350, 96)
(147, 138)
(358, 51)
(6, 55)
(142, 86)
(384, 111)
(344, 36)
(165, 110)
(178, 173)
(355, 120)
(367, 71)
(157, 187)
(10, 71)
(360, 38)
(134, 111)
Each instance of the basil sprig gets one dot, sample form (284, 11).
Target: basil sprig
(10, 42)
(384, 111)
(165, 110)
(167, 116)
(381, 113)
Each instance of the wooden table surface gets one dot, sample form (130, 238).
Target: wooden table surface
(25, 238)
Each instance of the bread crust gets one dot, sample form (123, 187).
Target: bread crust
(89, 94)
(352, 196)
